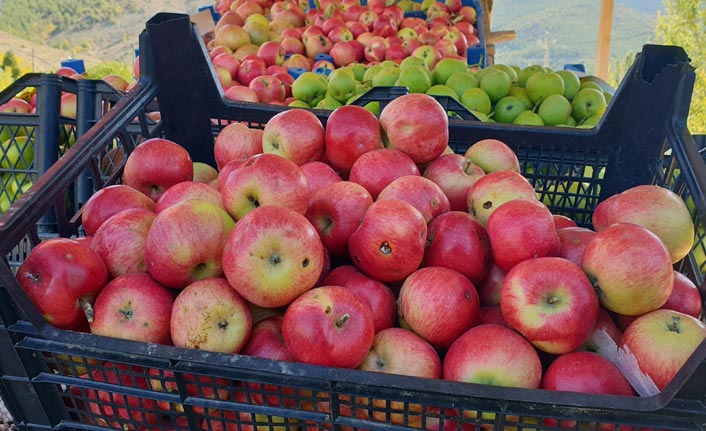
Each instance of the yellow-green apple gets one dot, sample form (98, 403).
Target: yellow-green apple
(240, 93)
(588, 102)
(493, 155)
(62, 278)
(447, 67)
(400, 351)
(457, 241)
(662, 341)
(134, 307)
(265, 179)
(236, 141)
(489, 288)
(551, 302)
(185, 243)
(656, 208)
(541, 85)
(225, 171)
(630, 268)
(251, 66)
(210, 315)
(521, 229)
(329, 325)
(417, 125)
(422, 193)
(685, 296)
(494, 189)
(120, 241)
(375, 169)
(476, 100)
(562, 221)
(368, 17)
(388, 245)
(204, 173)
(573, 242)
(268, 88)
(319, 175)
(377, 295)
(493, 355)
(272, 256)
(492, 314)
(155, 165)
(496, 83)
(430, 289)
(223, 76)
(454, 174)
(350, 132)
(335, 211)
(232, 36)
(109, 201)
(296, 134)
(187, 190)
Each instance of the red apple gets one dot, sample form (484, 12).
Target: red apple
(375, 169)
(145, 168)
(585, 372)
(241, 93)
(551, 302)
(272, 256)
(661, 342)
(187, 190)
(377, 295)
(420, 192)
(134, 307)
(210, 315)
(336, 211)
(223, 173)
(272, 52)
(356, 28)
(268, 88)
(457, 241)
(250, 68)
(236, 141)
(455, 174)
(185, 243)
(631, 269)
(493, 355)
(417, 125)
(562, 221)
(389, 243)
(265, 179)
(350, 132)
(521, 229)
(228, 62)
(430, 289)
(604, 322)
(685, 296)
(489, 288)
(319, 175)
(62, 278)
(120, 242)
(109, 201)
(290, 45)
(492, 314)
(375, 48)
(343, 53)
(329, 325)
(296, 134)
(573, 242)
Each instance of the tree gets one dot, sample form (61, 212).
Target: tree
(682, 24)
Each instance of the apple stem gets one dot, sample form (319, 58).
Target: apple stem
(342, 321)
(87, 309)
(553, 300)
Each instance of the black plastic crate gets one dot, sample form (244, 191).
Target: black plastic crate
(55, 379)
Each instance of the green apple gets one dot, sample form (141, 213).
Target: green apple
(447, 67)
(341, 84)
(592, 121)
(608, 97)
(521, 93)
(509, 70)
(388, 63)
(572, 83)
(507, 109)
(18, 153)
(416, 61)
(358, 69)
(371, 72)
(525, 73)
(587, 103)
(570, 122)
(18, 184)
(406, 5)
(329, 103)
(590, 84)
(481, 116)
(475, 99)
(407, 33)
(441, 90)
(386, 77)
(462, 81)
(496, 84)
(310, 87)
(529, 118)
(541, 85)
(373, 107)
(299, 104)
(415, 78)
(554, 109)
(7, 132)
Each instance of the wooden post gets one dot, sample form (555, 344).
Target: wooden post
(605, 26)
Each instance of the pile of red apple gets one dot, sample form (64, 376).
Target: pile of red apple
(368, 244)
